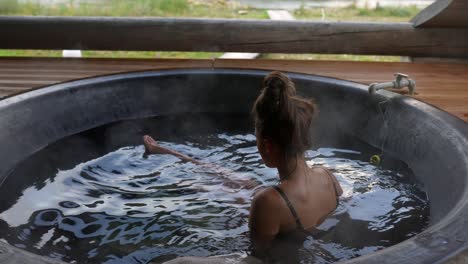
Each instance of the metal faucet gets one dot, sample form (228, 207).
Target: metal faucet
(401, 81)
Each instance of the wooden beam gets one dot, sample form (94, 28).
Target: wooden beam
(224, 35)
(443, 13)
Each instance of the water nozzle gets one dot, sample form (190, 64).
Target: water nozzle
(401, 81)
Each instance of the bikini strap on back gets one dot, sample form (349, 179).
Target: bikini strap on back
(290, 206)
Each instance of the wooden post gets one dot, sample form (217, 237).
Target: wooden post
(443, 13)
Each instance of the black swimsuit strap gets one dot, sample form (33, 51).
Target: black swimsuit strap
(291, 207)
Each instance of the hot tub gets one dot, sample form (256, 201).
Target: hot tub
(432, 143)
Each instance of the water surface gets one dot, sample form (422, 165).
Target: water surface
(118, 206)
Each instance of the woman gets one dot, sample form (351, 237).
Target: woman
(304, 196)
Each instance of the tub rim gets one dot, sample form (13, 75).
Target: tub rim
(460, 209)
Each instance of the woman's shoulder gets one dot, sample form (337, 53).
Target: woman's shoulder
(263, 210)
(320, 169)
(268, 202)
(266, 196)
(325, 170)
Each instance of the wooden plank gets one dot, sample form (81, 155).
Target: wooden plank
(224, 35)
(22, 73)
(441, 84)
(363, 72)
(75, 63)
(92, 67)
(443, 13)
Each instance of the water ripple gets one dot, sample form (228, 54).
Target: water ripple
(125, 208)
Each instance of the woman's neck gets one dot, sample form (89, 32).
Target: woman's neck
(289, 168)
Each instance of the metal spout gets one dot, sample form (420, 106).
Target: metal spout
(401, 81)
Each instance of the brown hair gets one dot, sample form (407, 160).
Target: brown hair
(283, 116)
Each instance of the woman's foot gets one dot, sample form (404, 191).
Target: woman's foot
(152, 147)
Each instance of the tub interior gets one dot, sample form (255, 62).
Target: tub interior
(388, 123)
(123, 206)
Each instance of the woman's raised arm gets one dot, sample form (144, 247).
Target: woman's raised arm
(152, 147)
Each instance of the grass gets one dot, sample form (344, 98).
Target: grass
(390, 12)
(113, 54)
(151, 54)
(339, 57)
(7, 6)
(132, 8)
(352, 13)
(192, 55)
(199, 9)
(30, 53)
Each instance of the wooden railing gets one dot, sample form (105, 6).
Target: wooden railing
(224, 35)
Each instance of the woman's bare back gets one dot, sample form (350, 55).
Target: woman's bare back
(312, 194)
(313, 197)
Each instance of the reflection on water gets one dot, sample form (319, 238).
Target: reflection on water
(124, 208)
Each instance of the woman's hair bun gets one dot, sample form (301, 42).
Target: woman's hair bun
(282, 115)
(279, 83)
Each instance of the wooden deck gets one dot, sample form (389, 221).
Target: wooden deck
(444, 85)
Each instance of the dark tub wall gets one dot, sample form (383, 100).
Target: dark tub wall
(435, 149)
(50, 114)
(434, 145)
(431, 142)
(65, 109)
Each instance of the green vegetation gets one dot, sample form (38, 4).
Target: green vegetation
(151, 54)
(30, 53)
(113, 54)
(191, 55)
(8, 6)
(201, 9)
(131, 8)
(352, 13)
(390, 12)
(342, 57)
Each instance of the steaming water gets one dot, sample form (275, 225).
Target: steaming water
(122, 207)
